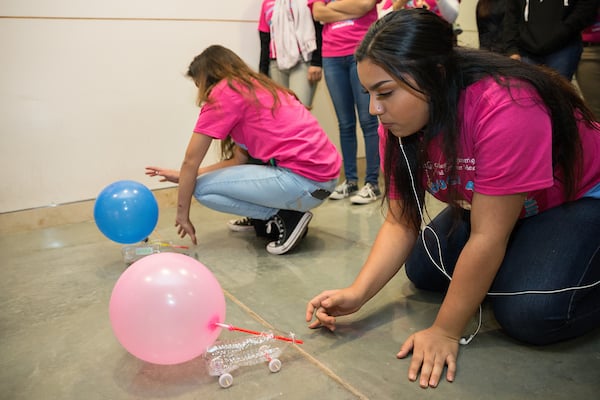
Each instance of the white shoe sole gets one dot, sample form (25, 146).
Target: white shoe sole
(239, 228)
(363, 200)
(294, 238)
(340, 196)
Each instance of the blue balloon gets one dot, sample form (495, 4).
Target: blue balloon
(126, 212)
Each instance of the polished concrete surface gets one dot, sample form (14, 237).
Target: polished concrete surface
(56, 339)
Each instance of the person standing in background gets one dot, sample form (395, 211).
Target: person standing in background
(547, 32)
(588, 71)
(298, 68)
(490, 23)
(345, 24)
(290, 46)
(391, 5)
(447, 9)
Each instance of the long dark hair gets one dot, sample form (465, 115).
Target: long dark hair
(417, 44)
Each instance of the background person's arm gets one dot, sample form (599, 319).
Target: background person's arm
(341, 10)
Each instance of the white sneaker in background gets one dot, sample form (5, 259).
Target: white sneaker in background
(368, 194)
(344, 190)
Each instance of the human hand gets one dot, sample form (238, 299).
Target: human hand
(330, 304)
(167, 175)
(398, 4)
(516, 57)
(314, 74)
(185, 227)
(432, 349)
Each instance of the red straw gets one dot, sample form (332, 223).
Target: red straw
(282, 338)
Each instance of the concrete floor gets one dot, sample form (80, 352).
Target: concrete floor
(57, 342)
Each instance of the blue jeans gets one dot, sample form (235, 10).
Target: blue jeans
(588, 76)
(349, 99)
(564, 60)
(556, 249)
(258, 191)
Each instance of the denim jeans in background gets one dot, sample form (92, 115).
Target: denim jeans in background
(257, 191)
(588, 76)
(559, 248)
(349, 99)
(564, 60)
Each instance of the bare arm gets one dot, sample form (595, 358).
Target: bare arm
(398, 4)
(240, 156)
(391, 248)
(195, 153)
(492, 221)
(341, 10)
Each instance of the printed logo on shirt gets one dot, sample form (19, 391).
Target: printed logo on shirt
(437, 179)
(531, 207)
(465, 164)
(342, 24)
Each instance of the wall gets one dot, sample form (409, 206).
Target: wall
(91, 92)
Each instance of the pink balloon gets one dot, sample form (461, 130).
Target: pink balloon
(164, 307)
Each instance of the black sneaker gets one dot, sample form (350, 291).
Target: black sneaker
(241, 225)
(263, 229)
(292, 226)
(259, 226)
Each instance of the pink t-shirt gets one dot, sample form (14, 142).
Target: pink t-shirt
(266, 14)
(592, 33)
(505, 147)
(264, 23)
(290, 135)
(342, 38)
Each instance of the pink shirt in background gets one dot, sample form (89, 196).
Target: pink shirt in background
(264, 23)
(266, 13)
(592, 33)
(290, 134)
(506, 148)
(342, 38)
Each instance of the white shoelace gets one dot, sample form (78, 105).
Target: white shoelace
(276, 220)
(367, 191)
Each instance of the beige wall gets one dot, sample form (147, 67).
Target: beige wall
(91, 92)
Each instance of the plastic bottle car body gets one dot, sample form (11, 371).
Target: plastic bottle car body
(226, 356)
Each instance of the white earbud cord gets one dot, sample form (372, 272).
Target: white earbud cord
(442, 268)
